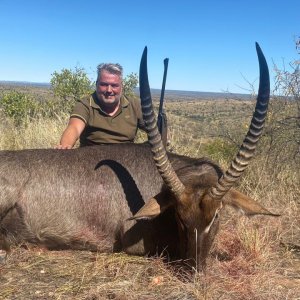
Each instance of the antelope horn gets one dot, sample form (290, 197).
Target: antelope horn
(247, 149)
(159, 153)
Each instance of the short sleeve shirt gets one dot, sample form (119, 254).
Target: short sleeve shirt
(102, 128)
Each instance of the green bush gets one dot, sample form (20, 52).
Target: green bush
(19, 107)
(220, 150)
(129, 84)
(70, 85)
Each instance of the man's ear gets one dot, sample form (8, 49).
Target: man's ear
(154, 207)
(246, 204)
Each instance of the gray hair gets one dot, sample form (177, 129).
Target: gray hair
(111, 68)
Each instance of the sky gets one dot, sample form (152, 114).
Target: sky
(210, 44)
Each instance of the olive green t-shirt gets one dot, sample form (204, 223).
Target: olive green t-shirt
(102, 128)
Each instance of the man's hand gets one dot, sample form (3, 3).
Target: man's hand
(71, 134)
(63, 147)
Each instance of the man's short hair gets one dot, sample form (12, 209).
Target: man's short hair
(111, 68)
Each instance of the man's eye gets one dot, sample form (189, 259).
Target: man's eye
(113, 86)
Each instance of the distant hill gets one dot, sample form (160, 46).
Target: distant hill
(194, 95)
(25, 83)
(169, 94)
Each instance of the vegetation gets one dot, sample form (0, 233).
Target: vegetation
(286, 123)
(24, 104)
(18, 106)
(129, 84)
(70, 85)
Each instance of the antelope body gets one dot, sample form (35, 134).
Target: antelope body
(117, 198)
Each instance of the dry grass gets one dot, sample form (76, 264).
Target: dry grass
(41, 133)
(247, 262)
(84, 275)
(257, 258)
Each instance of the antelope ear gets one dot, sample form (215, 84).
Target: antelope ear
(246, 204)
(153, 207)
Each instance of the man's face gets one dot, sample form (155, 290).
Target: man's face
(109, 89)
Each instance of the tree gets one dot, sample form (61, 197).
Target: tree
(129, 84)
(297, 42)
(70, 85)
(280, 144)
(287, 81)
(283, 126)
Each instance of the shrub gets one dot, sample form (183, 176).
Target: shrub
(129, 84)
(70, 85)
(19, 106)
(220, 150)
(282, 132)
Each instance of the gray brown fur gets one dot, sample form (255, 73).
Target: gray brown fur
(81, 198)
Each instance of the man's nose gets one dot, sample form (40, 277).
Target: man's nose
(109, 88)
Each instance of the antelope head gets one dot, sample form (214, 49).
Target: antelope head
(199, 200)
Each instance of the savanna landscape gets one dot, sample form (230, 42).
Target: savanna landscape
(252, 258)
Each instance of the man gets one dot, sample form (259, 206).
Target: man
(106, 116)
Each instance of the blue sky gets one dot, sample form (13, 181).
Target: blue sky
(210, 44)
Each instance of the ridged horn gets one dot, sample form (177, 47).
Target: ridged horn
(159, 153)
(248, 146)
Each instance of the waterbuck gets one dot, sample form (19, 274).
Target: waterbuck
(117, 198)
